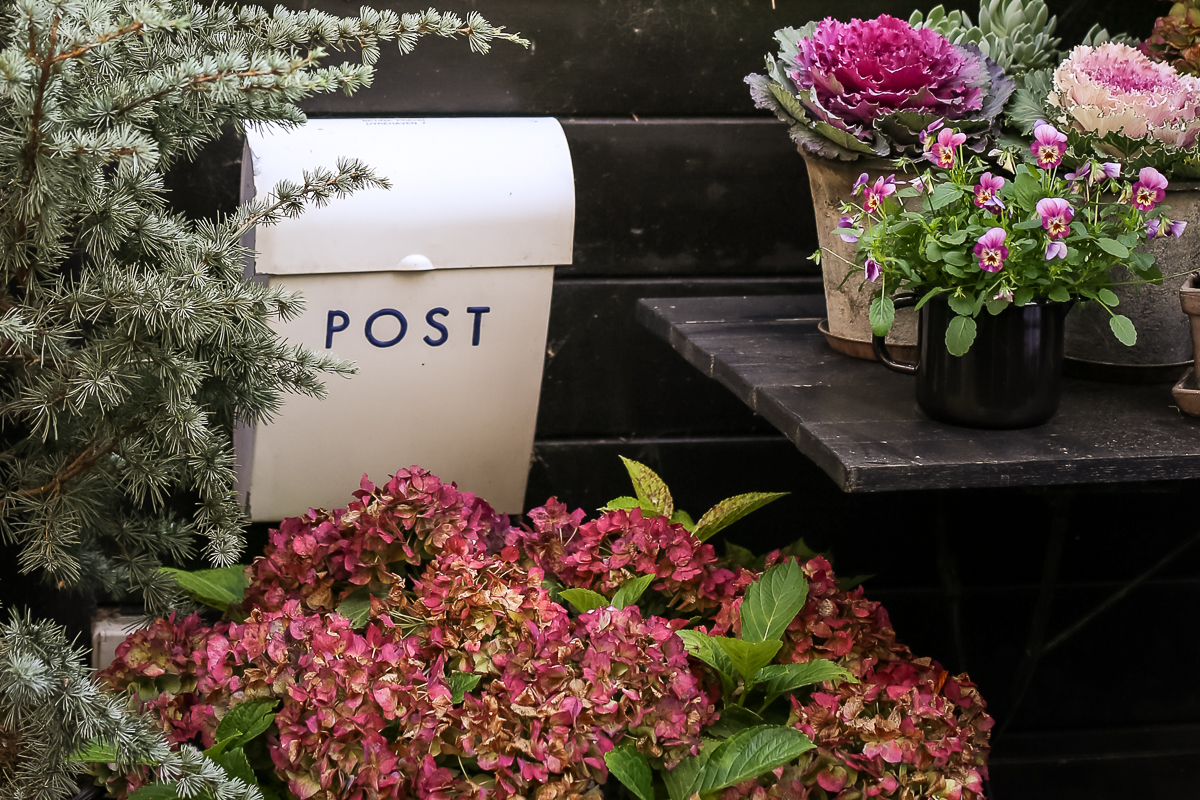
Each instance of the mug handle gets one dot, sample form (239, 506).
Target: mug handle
(906, 300)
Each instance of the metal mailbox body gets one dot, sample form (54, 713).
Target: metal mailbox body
(439, 289)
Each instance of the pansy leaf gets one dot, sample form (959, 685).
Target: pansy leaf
(1059, 294)
(1107, 297)
(1022, 296)
(1028, 225)
(460, 683)
(631, 590)
(650, 488)
(960, 335)
(945, 194)
(995, 306)
(932, 293)
(960, 304)
(632, 769)
(933, 252)
(881, 315)
(748, 657)
(730, 510)
(218, 588)
(773, 601)
(1113, 247)
(1124, 330)
(584, 600)
(954, 238)
(955, 258)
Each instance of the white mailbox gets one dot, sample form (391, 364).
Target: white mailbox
(439, 290)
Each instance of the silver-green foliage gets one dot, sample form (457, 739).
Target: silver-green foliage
(1016, 34)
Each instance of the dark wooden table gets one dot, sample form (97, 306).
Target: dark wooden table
(860, 423)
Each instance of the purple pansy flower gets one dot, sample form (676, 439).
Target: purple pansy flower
(1056, 216)
(1048, 145)
(991, 251)
(862, 181)
(986, 192)
(1111, 169)
(846, 221)
(1149, 189)
(942, 153)
(871, 270)
(1164, 227)
(884, 187)
(1056, 249)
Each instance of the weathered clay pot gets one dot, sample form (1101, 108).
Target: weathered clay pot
(1164, 346)
(1186, 392)
(849, 327)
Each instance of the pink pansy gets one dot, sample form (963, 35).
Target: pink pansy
(1149, 189)
(921, 185)
(991, 251)
(986, 192)
(871, 270)
(1048, 145)
(884, 187)
(943, 152)
(1004, 294)
(1056, 249)
(1056, 216)
(845, 223)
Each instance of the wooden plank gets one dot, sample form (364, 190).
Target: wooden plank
(860, 421)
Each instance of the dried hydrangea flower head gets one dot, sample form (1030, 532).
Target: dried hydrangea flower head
(1115, 88)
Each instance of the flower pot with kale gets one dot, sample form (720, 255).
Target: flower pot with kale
(863, 91)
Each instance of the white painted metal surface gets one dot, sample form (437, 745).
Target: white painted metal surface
(438, 289)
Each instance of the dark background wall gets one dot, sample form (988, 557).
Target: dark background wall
(684, 189)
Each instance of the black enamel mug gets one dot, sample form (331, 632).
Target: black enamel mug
(1010, 378)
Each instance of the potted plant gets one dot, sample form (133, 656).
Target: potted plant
(994, 261)
(416, 644)
(1114, 103)
(130, 341)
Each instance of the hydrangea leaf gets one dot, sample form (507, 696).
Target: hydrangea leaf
(236, 765)
(584, 600)
(460, 683)
(748, 657)
(773, 601)
(705, 648)
(217, 588)
(681, 517)
(621, 504)
(356, 607)
(632, 590)
(155, 791)
(960, 335)
(730, 510)
(241, 724)
(739, 556)
(1123, 329)
(650, 489)
(733, 719)
(632, 769)
(745, 755)
(777, 679)
(96, 750)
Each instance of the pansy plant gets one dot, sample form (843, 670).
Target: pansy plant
(982, 240)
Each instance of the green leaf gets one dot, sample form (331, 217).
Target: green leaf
(236, 765)
(705, 648)
(584, 600)
(733, 719)
(621, 504)
(1022, 296)
(1025, 190)
(852, 581)
(155, 791)
(960, 304)
(356, 607)
(955, 258)
(745, 755)
(632, 770)
(1124, 330)
(960, 334)
(631, 590)
(1107, 297)
(681, 517)
(460, 683)
(1113, 247)
(944, 194)
(739, 556)
(650, 488)
(933, 252)
(954, 238)
(730, 510)
(1028, 224)
(773, 601)
(241, 724)
(748, 657)
(1059, 294)
(779, 679)
(994, 307)
(881, 314)
(96, 750)
(218, 588)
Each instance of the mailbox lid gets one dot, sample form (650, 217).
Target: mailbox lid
(476, 192)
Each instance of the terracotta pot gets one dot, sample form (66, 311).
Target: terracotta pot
(1164, 345)
(847, 301)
